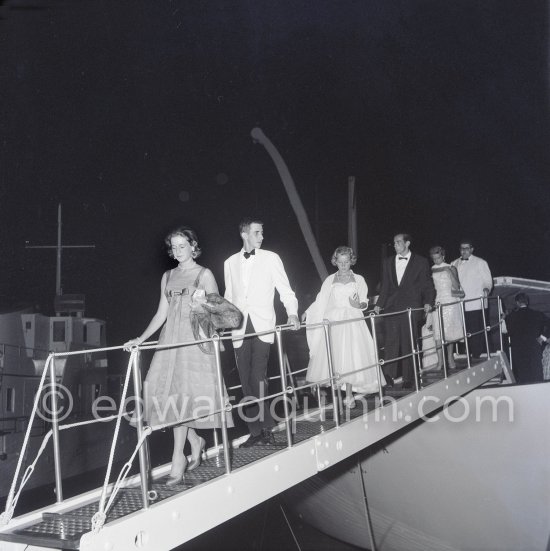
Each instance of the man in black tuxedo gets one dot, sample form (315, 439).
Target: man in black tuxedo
(406, 283)
(526, 328)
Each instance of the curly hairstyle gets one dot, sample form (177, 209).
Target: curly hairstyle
(191, 237)
(343, 250)
(438, 249)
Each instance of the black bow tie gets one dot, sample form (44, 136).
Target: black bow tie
(464, 259)
(403, 258)
(248, 255)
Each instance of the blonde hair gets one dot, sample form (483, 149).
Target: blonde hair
(344, 250)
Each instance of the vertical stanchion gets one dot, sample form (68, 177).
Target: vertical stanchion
(321, 405)
(55, 434)
(366, 505)
(143, 450)
(372, 316)
(335, 406)
(413, 348)
(279, 337)
(442, 338)
(221, 395)
(216, 441)
(500, 321)
(483, 315)
(466, 334)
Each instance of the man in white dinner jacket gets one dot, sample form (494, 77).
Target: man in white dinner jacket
(251, 277)
(476, 280)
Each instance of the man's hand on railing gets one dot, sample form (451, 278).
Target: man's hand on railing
(377, 309)
(294, 321)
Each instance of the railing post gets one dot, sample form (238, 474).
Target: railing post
(322, 416)
(335, 406)
(55, 435)
(510, 353)
(485, 327)
(279, 337)
(442, 338)
(466, 334)
(500, 319)
(372, 316)
(221, 396)
(143, 450)
(216, 441)
(413, 348)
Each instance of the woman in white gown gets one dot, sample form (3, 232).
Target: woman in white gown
(448, 290)
(343, 296)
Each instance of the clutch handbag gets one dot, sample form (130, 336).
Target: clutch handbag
(458, 293)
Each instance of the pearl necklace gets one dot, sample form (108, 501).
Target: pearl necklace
(344, 277)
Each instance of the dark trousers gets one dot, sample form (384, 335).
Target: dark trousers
(252, 357)
(474, 323)
(397, 342)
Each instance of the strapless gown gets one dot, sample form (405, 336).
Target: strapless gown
(352, 344)
(452, 317)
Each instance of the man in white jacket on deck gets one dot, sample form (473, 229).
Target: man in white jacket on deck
(476, 280)
(251, 277)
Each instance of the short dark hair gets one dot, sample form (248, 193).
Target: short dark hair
(189, 234)
(466, 242)
(245, 223)
(522, 298)
(438, 249)
(406, 236)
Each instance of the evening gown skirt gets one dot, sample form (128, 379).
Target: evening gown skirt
(451, 315)
(181, 382)
(352, 345)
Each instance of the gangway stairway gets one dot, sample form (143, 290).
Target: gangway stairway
(209, 496)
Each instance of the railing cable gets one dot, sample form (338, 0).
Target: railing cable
(11, 501)
(99, 518)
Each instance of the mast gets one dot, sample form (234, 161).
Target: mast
(58, 290)
(59, 250)
(295, 201)
(352, 214)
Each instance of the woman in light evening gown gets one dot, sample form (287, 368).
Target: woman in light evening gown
(343, 296)
(448, 290)
(181, 382)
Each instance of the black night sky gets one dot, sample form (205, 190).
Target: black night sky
(136, 116)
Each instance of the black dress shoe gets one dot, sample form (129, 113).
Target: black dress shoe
(389, 381)
(252, 441)
(267, 436)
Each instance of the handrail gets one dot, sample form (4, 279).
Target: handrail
(285, 392)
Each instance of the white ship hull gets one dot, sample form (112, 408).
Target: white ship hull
(451, 484)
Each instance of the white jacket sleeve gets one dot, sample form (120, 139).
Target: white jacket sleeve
(362, 288)
(486, 277)
(280, 279)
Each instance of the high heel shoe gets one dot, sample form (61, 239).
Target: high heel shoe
(196, 461)
(177, 475)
